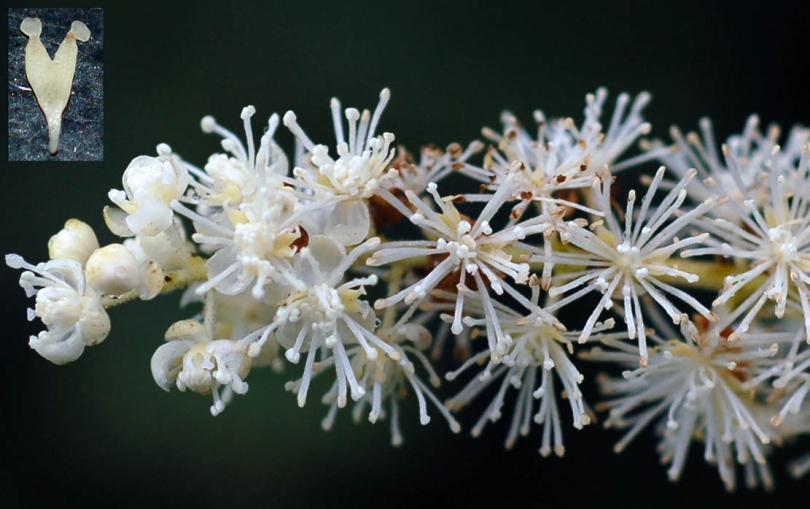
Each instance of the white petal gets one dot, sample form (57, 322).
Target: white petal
(116, 220)
(221, 261)
(58, 352)
(348, 222)
(167, 362)
(94, 324)
(152, 217)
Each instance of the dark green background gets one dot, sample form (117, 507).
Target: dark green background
(100, 430)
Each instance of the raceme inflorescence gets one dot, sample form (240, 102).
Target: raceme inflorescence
(513, 262)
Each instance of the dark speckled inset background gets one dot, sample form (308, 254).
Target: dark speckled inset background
(83, 119)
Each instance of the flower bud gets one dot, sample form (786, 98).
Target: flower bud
(112, 270)
(76, 241)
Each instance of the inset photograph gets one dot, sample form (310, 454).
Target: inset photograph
(55, 85)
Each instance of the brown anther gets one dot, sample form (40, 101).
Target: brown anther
(302, 241)
(701, 323)
(461, 353)
(403, 158)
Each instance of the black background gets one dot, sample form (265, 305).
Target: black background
(100, 431)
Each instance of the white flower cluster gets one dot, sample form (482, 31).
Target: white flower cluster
(356, 262)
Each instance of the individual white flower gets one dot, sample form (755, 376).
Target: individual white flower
(554, 161)
(562, 156)
(785, 377)
(229, 180)
(539, 351)
(245, 215)
(72, 312)
(622, 131)
(338, 188)
(150, 186)
(192, 359)
(773, 242)
(696, 385)
(434, 165)
(563, 152)
(386, 379)
(76, 241)
(467, 248)
(546, 170)
(626, 263)
(325, 312)
(255, 245)
(753, 159)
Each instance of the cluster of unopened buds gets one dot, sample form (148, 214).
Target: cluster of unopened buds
(355, 262)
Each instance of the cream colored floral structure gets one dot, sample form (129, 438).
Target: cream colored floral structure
(52, 79)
